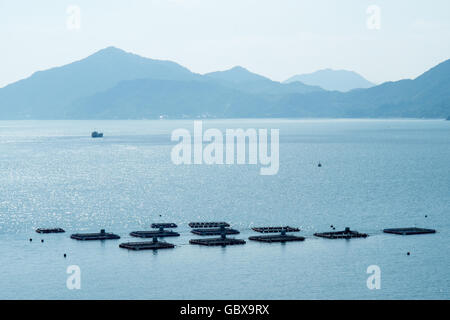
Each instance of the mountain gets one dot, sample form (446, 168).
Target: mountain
(244, 80)
(114, 84)
(328, 79)
(233, 93)
(427, 96)
(152, 98)
(47, 94)
(237, 75)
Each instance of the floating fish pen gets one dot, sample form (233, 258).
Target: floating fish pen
(208, 224)
(159, 233)
(214, 231)
(102, 235)
(282, 237)
(164, 225)
(276, 238)
(346, 234)
(151, 234)
(217, 241)
(146, 245)
(51, 230)
(409, 231)
(220, 228)
(275, 229)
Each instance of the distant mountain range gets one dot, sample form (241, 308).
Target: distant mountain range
(242, 79)
(114, 84)
(328, 79)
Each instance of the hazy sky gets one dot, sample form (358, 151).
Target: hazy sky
(275, 38)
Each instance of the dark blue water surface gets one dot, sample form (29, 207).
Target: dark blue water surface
(376, 174)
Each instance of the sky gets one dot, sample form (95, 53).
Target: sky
(383, 40)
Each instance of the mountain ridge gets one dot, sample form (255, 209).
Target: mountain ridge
(60, 86)
(115, 84)
(333, 80)
(240, 78)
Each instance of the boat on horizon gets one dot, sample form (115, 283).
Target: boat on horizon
(96, 134)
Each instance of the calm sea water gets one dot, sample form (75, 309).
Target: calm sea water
(375, 175)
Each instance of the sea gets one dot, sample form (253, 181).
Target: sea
(375, 174)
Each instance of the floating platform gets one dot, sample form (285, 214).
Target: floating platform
(163, 225)
(151, 234)
(409, 231)
(146, 245)
(102, 235)
(51, 230)
(346, 234)
(159, 234)
(282, 237)
(208, 224)
(275, 229)
(276, 238)
(214, 231)
(217, 241)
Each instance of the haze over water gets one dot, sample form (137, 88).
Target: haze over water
(376, 174)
